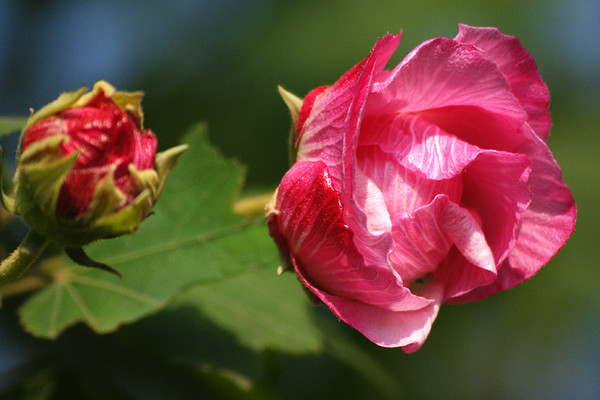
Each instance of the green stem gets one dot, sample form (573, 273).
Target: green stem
(21, 259)
(254, 205)
(7, 201)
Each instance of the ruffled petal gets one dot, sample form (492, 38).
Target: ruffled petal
(544, 227)
(497, 186)
(519, 68)
(374, 245)
(307, 105)
(419, 243)
(337, 112)
(441, 73)
(477, 126)
(419, 145)
(406, 329)
(424, 239)
(373, 239)
(458, 275)
(402, 163)
(309, 217)
(403, 190)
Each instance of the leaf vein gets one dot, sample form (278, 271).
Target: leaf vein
(80, 303)
(178, 244)
(86, 280)
(54, 316)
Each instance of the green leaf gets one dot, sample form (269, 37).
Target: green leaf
(262, 309)
(11, 124)
(227, 325)
(258, 309)
(192, 237)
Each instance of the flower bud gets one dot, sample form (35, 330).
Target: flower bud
(86, 168)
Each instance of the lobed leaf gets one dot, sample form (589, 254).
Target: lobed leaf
(192, 237)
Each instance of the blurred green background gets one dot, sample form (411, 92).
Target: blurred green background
(220, 62)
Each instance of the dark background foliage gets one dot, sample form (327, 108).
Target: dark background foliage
(220, 62)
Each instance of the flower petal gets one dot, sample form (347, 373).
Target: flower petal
(519, 68)
(373, 239)
(406, 329)
(419, 243)
(479, 127)
(470, 263)
(337, 112)
(404, 190)
(401, 163)
(545, 226)
(419, 145)
(441, 73)
(309, 217)
(496, 186)
(423, 241)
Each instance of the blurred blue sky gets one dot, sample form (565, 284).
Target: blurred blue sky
(54, 46)
(51, 46)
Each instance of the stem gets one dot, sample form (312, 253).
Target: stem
(7, 201)
(21, 259)
(252, 205)
(26, 284)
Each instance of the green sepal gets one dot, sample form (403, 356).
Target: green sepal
(164, 161)
(294, 104)
(126, 220)
(78, 256)
(40, 175)
(64, 101)
(106, 198)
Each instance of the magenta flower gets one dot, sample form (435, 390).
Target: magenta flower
(431, 183)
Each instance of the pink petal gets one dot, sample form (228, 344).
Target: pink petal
(423, 241)
(545, 225)
(458, 275)
(477, 126)
(336, 114)
(519, 68)
(309, 217)
(442, 73)
(384, 187)
(404, 190)
(419, 243)
(373, 239)
(406, 329)
(496, 186)
(470, 263)
(419, 145)
(464, 230)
